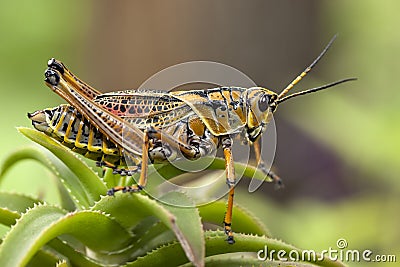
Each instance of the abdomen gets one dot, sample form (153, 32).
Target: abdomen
(65, 124)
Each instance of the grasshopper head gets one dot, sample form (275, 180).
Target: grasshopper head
(261, 103)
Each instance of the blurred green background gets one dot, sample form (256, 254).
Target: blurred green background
(337, 151)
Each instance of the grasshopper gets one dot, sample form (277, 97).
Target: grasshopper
(138, 127)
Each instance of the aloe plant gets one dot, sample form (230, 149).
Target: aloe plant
(88, 228)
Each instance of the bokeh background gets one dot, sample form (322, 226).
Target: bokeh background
(338, 150)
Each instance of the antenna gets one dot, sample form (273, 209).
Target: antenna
(312, 90)
(307, 70)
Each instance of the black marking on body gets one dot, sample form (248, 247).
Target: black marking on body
(235, 104)
(57, 117)
(226, 102)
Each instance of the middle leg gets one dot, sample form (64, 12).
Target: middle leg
(143, 174)
(230, 180)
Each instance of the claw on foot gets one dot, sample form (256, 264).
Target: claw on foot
(228, 231)
(278, 184)
(230, 240)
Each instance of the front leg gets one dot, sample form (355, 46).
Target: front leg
(261, 165)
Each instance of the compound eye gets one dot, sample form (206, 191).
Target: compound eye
(263, 103)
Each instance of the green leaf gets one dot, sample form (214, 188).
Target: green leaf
(44, 258)
(68, 179)
(42, 223)
(216, 245)
(62, 263)
(26, 234)
(130, 209)
(92, 184)
(17, 202)
(150, 236)
(76, 258)
(157, 235)
(12, 205)
(170, 171)
(161, 256)
(250, 243)
(243, 220)
(8, 217)
(245, 259)
(111, 179)
(191, 235)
